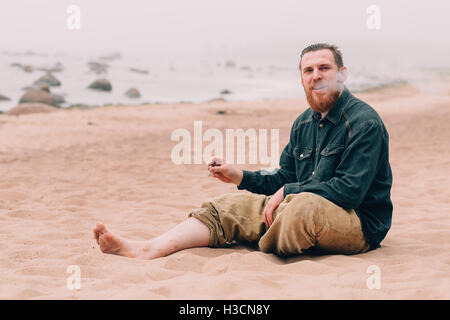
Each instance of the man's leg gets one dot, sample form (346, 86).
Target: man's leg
(234, 217)
(306, 220)
(188, 234)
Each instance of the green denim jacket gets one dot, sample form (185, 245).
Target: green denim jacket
(343, 157)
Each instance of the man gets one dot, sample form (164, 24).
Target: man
(331, 192)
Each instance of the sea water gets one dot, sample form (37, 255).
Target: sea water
(162, 79)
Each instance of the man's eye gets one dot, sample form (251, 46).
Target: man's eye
(324, 68)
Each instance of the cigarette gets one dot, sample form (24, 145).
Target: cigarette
(212, 165)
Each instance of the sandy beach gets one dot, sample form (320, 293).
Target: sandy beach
(63, 171)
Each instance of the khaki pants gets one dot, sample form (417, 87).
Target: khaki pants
(302, 222)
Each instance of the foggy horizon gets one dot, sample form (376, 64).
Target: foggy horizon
(249, 30)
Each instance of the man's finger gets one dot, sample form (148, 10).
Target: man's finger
(216, 169)
(269, 215)
(212, 160)
(215, 160)
(265, 217)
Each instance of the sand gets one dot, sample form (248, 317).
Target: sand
(61, 172)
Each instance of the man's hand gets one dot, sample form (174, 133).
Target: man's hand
(271, 205)
(224, 172)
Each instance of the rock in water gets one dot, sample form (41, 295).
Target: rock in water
(38, 86)
(101, 84)
(112, 56)
(48, 79)
(26, 68)
(142, 71)
(133, 93)
(98, 67)
(5, 98)
(38, 96)
(230, 64)
(43, 87)
(58, 67)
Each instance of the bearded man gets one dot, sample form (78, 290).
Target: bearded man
(331, 193)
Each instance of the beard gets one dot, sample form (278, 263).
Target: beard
(322, 103)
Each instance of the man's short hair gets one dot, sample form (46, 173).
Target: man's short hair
(320, 46)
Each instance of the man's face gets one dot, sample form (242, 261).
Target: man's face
(321, 79)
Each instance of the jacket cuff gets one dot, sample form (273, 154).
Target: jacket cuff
(248, 179)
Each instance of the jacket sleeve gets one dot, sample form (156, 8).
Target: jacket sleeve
(265, 182)
(355, 172)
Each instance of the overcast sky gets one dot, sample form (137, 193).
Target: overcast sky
(415, 30)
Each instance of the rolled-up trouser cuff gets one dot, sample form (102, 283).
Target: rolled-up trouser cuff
(233, 217)
(210, 219)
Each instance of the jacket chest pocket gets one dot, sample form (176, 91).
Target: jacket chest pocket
(330, 157)
(303, 162)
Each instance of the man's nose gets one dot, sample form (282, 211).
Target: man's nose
(316, 74)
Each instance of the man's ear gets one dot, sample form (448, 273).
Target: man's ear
(342, 74)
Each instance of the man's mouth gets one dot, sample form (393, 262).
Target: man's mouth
(319, 87)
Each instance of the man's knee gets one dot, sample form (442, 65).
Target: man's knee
(307, 209)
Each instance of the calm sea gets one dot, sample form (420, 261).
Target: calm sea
(163, 80)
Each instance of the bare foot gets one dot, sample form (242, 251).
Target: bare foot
(113, 244)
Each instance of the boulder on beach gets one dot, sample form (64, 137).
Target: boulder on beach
(4, 98)
(28, 108)
(133, 93)
(101, 84)
(49, 79)
(38, 96)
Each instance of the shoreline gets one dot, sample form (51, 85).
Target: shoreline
(401, 87)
